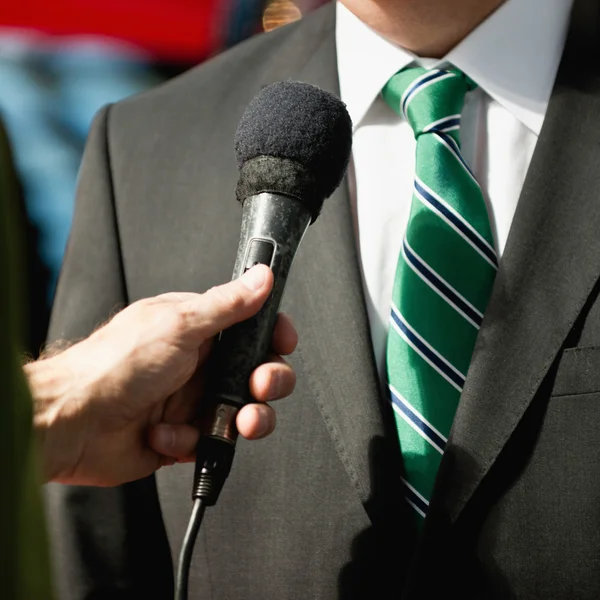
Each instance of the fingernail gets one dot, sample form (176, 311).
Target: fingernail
(275, 386)
(263, 424)
(254, 278)
(166, 436)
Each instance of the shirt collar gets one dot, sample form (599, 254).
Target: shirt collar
(513, 56)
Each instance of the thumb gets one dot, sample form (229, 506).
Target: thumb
(224, 305)
(174, 441)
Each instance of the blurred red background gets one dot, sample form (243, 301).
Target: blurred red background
(180, 30)
(172, 30)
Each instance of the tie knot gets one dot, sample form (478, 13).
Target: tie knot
(430, 99)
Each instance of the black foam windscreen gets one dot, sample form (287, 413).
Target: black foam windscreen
(295, 139)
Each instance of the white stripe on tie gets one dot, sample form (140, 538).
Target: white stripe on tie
(456, 154)
(429, 346)
(458, 216)
(417, 91)
(419, 416)
(440, 121)
(438, 292)
(409, 90)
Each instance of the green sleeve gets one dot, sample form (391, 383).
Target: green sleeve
(24, 564)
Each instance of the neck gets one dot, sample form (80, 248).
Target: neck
(429, 28)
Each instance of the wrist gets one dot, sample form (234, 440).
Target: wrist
(54, 408)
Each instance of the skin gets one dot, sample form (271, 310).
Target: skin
(428, 28)
(122, 403)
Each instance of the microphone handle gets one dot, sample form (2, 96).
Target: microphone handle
(273, 226)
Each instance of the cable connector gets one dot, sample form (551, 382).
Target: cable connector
(214, 457)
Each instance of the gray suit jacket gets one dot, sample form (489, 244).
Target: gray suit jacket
(316, 511)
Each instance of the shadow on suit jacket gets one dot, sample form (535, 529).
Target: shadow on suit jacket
(316, 510)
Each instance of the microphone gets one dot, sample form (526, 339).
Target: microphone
(292, 147)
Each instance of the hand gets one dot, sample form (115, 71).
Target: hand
(121, 403)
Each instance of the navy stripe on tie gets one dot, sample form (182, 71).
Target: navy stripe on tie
(441, 286)
(439, 363)
(443, 125)
(452, 142)
(449, 123)
(416, 500)
(434, 75)
(429, 433)
(459, 224)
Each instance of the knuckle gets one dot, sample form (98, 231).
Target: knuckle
(141, 311)
(129, 315)
(179, 315)
(143, 304)
(167, 320)
(228, 297)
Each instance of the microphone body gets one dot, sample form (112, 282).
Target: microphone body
(273, 226)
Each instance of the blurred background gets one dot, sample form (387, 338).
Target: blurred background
(61, 61)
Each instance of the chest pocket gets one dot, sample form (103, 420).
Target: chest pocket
(578, 372)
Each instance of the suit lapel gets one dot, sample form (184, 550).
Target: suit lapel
(325, 292)
(550, 266)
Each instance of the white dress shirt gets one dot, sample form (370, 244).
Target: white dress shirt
(513, 56)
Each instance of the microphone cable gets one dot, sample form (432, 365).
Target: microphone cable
(187, 549)
(213, 463)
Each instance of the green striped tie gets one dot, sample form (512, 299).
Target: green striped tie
(443, 280)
